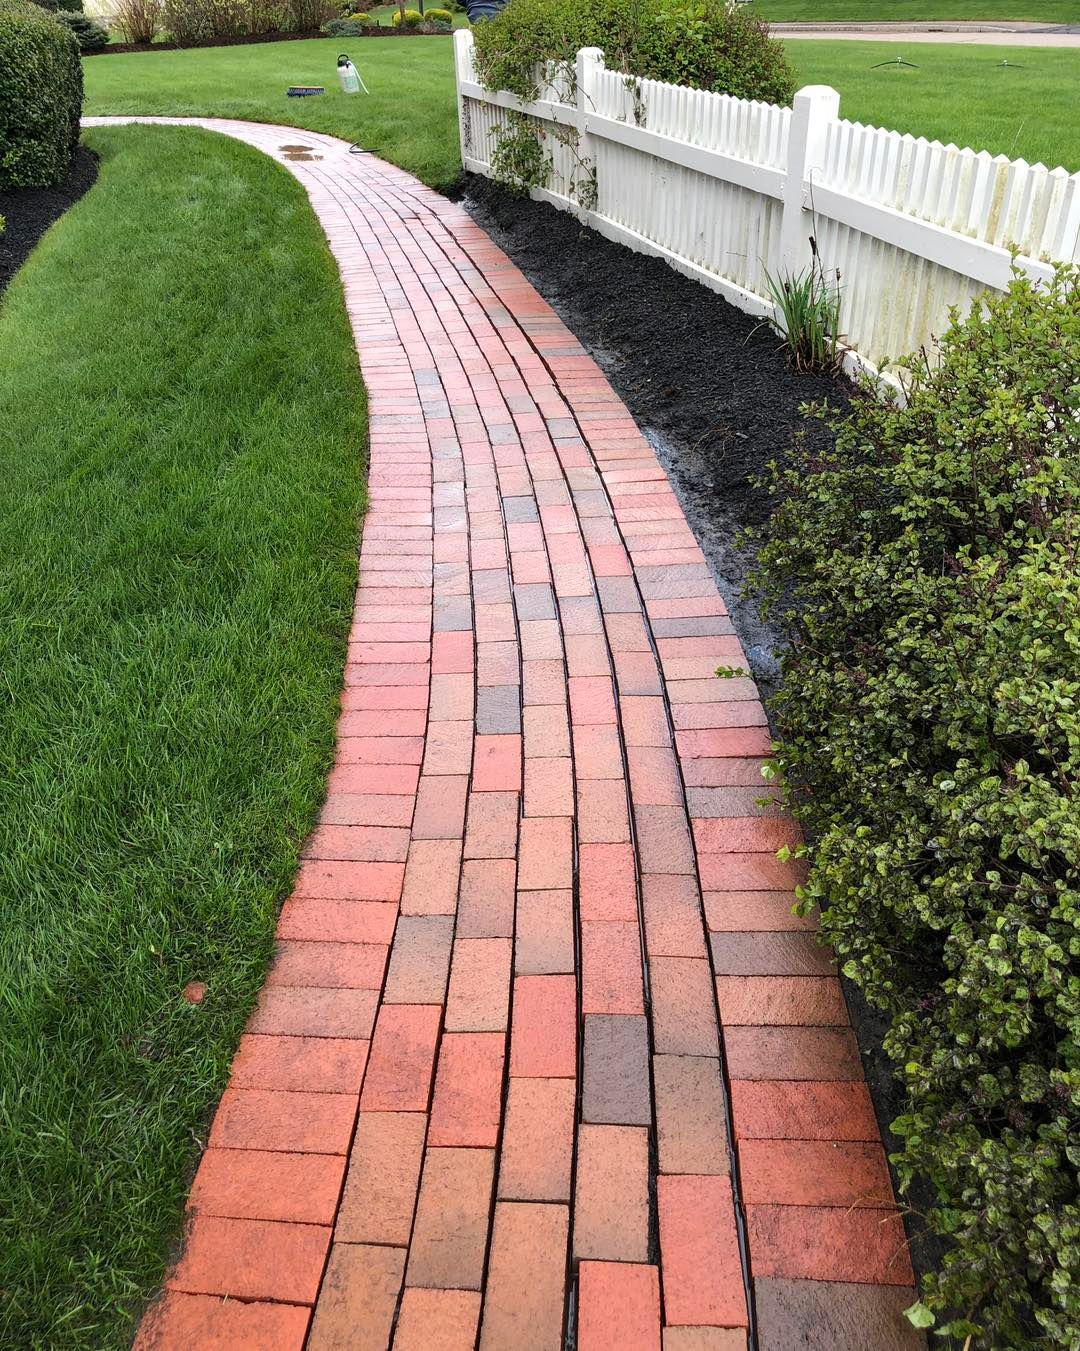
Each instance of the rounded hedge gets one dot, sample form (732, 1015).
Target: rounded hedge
(41, 91)
(413, 18)
(90, 34)
(438, 16)
(704, 46)
(925, 572)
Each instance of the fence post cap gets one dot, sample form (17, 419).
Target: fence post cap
(822, 94)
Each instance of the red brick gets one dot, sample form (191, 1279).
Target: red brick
(381, 780)
(547, 731)
(300, 1011)
(644, 721)
(837, 1314)
(450, 1234)
(349, 881)
(448, 748)
(750, 872)
(814, 1173)
(597, 752)
(384, 1173)
(178, 1322)
(497, 764)
(431, 878)
(699, 1253)
(538, 1140)
(451, 698)
(367, 809)
(451, 653)
(479, 995)
(549, 786)
(618, 1307)
(746, 834)
(792, 1053)
(546, 860)
(525, 1294)
(706, 1339)
(684, 1019)
(492, 827)
(611, 1202)
(587, 655)
(486, 899)
(346, 966)
(400, 1060)
(654, 776)
(337, 921)
(379, 750)
(607, 882)
(663, 840)
(611, 968)
(723, 772)
(673, 923)
(691, 1127)
(799, 1001)
(544, 682)
(358, 1299)
(592, 699)
(419, 960)
(803, 1111)
(543, 1043)
(754, 912)
(367, 843)
(440, 807)
(828, 1243)
(602, 812)
(302, 1123)
(443, 1319)
(252, 1259)
(467, 1104)
(314, 1064)
(252, 1184)
(544, 942)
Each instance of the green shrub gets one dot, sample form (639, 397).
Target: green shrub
(41, 90)
(413, 18)
(63, 6)
(438, 16)
(435, 26)
(702, 45)
(349, 28)
(89, 33)
(929, 729)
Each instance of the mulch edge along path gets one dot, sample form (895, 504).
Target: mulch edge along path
(486, 1093)
(28, 212)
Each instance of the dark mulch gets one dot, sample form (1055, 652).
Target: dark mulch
(710, 386)
(30, 211)
(119, 48)
(714, 393)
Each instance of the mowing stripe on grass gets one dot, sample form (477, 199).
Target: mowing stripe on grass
(181, 480)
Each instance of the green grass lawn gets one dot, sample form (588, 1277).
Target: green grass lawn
(182, 475)
(958, 94)
(409, 117)
(895, 11)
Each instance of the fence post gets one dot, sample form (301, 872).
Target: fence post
(813, 109)
(463, 44)
(590, 61)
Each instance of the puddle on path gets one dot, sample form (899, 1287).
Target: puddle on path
(298, 152)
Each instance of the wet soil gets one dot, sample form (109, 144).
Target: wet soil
(30, 211)
(713, 391)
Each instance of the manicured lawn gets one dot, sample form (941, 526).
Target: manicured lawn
(409, 117)
(895, 11)
(182, 474)
(958, 94)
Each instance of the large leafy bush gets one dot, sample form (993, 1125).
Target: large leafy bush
(929, 728)
(41, 91)
(704, 45)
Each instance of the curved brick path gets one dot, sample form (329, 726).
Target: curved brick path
(482, 1100)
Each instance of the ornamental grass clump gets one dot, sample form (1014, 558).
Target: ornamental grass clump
(926, 572)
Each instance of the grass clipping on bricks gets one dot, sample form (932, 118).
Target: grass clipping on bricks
(182, 485)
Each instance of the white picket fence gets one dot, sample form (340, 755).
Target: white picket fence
(726, 189)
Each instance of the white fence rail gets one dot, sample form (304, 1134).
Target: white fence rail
(726, 189)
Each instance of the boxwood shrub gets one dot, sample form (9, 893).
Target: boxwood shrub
(704, 45)
(90, 34)
(926, 572)
(41, 89)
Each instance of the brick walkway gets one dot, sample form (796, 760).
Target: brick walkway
(486, 1098)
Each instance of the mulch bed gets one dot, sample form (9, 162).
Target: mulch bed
(30, 211)
(247, 39)
(710, 386)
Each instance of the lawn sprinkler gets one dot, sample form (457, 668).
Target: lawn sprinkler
(1009, 65)
(899, 61)
(351, 83)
